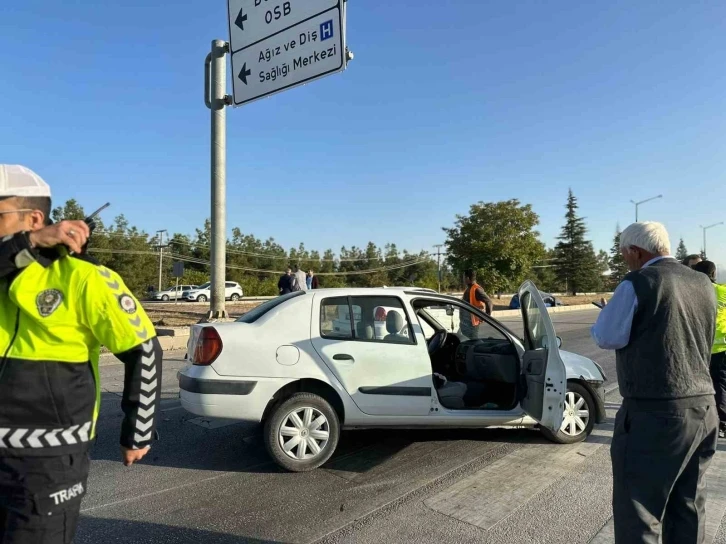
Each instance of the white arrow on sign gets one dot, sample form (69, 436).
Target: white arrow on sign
(253, 20)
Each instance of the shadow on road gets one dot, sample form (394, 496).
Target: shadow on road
(94, 530)
(240, 448)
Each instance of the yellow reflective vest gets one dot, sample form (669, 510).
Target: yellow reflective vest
(53, 320)
(719, 343)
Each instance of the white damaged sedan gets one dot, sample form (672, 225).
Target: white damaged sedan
(309, 364)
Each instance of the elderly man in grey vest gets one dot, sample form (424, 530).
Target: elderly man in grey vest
(661, 322)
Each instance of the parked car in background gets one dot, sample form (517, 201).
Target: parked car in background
(549, 300)
(232, 291)
(308, 364)
(171, 293)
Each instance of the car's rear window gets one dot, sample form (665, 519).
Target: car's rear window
(256, 313)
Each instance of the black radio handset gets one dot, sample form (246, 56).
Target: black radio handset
(92, 224)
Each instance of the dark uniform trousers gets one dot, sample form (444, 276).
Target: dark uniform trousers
(40, 498)
(659, 460)
(718, 376)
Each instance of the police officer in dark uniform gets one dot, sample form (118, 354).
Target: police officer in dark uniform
(57, 307)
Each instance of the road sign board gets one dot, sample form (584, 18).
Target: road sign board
(251, 21)
(178, 270)
(312, 48)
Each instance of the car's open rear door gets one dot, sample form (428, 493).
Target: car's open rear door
(544, 369)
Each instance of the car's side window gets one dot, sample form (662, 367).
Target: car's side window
(365, 319)
(335, 319)
(382, 319)
(229, 285)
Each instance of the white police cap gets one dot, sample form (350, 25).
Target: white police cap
(17, 180)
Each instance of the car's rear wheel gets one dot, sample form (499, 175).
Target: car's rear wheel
(202, 298)
(579, 416)
(235, 297)
(165, 298)
(302, 433)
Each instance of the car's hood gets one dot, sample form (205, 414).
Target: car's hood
(578, 366)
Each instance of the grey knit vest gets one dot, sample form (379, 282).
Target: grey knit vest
(669, 351)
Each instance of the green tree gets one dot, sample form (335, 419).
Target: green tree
(499, 240)
(576, 264)
(618, 266)
(71, 210)
(681, 252)
(543, 273)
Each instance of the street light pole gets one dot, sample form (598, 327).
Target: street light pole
(643, 202)
(704, 235)
(438, 255)
(161, 253)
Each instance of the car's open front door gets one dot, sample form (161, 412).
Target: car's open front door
(544, 369)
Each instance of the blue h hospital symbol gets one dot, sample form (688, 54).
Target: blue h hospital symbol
(326, 30)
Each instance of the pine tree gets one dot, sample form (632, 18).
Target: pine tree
(681, 252)
(576, 263)
(618, 266)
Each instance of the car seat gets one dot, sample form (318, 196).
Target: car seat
(394, 324)
(451, 394)
(365, 331)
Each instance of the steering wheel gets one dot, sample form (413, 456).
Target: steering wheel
(437, 341)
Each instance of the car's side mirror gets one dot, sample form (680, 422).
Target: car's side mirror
(449, 310)
(559, 342)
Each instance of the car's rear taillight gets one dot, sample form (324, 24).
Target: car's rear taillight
(208, 347)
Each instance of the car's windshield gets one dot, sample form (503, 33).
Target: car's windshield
(204, 285)
(256, 313)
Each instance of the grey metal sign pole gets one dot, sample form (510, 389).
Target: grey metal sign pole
(215, 86)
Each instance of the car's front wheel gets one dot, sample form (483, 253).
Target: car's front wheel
(302, 433)
(165, 298)
(579, 416)
(235, 297)
(201, 298)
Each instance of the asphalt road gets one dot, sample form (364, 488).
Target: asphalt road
(211, 481)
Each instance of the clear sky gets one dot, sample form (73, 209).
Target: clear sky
(445, 104)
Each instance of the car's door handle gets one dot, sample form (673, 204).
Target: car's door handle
(343, 357)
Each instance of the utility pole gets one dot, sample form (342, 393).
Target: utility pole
(704, 235)
(438, 256)
(160, 233)
(643, 202)
(215, 86)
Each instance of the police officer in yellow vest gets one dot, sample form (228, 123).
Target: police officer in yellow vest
(718, 352)
(57, 307)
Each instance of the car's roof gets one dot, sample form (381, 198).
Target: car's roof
(382, 291)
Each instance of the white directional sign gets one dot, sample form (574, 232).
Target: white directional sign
(278, 44)
(253, 20)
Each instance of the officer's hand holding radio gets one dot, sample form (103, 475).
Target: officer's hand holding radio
(72, 234)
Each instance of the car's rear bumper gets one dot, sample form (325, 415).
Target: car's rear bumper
(204, 393)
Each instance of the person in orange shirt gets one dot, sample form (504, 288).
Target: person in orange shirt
(475, 296)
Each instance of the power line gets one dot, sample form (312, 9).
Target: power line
(273, 257)
(194, 260)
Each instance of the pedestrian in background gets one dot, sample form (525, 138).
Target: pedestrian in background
(57, 307)
(661, 321)
(313, 282)
(692, 260)
(718, 352)
(300, 283)
(284, 285)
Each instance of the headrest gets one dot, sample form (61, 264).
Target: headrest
(394, 322)
(365, 331)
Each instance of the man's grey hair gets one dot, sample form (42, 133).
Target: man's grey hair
(648, 235)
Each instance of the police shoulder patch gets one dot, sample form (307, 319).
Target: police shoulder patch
(48, 301)
(127, 303)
